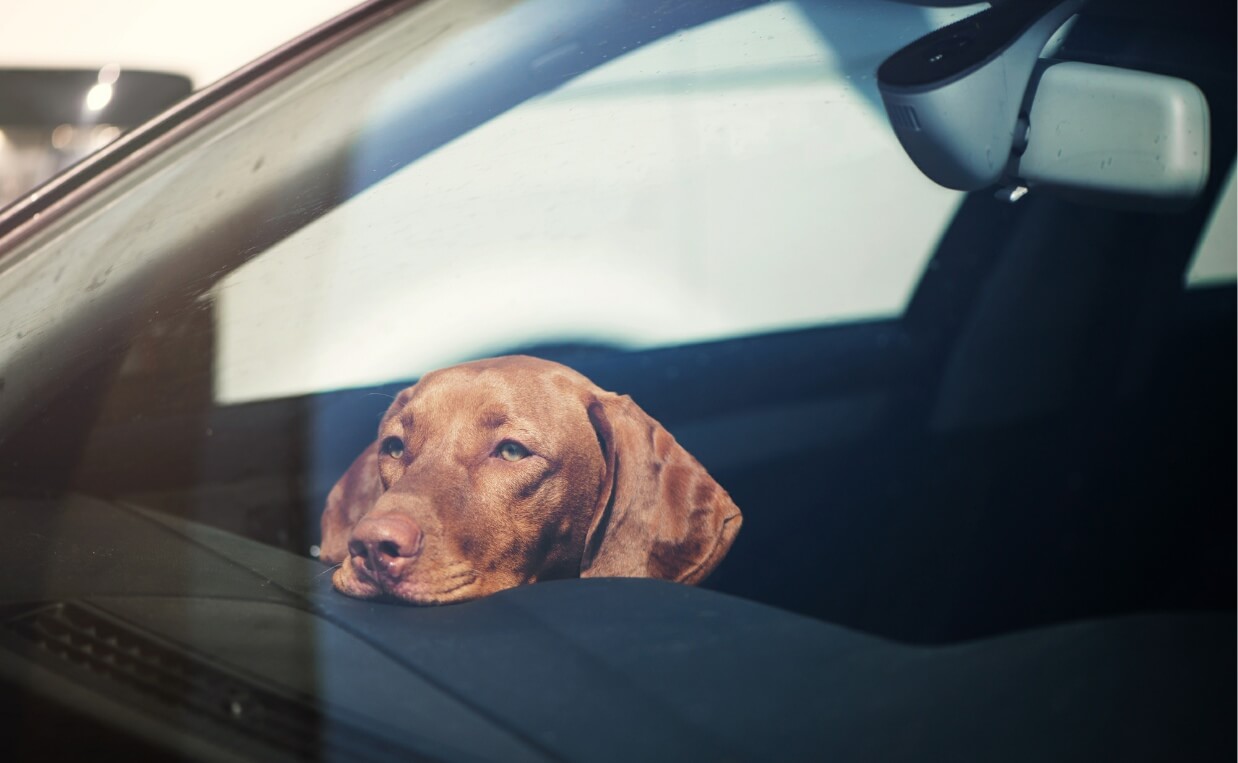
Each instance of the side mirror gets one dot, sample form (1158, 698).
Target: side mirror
(974, 106)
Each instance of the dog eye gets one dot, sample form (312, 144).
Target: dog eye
(512, 451)
(393, 446)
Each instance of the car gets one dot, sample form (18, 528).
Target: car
(983, 442)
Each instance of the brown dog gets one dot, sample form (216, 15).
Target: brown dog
(500, 472)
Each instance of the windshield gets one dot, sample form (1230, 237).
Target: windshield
(703, 208)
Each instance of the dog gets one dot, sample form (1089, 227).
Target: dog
(501, 472)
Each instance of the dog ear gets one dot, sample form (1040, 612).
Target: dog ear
(352, 497)
(660, 514)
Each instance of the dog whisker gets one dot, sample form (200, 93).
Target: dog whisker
(330, 569)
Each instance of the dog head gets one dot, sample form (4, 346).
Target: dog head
(501, 472)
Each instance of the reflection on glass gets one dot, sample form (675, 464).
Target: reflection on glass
(52, 119)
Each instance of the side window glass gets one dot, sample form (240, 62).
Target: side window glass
(1214, 263)
(732, 179)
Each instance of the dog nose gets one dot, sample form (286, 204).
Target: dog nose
(385, 546)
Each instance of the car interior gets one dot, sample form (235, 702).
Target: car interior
(1043, 438)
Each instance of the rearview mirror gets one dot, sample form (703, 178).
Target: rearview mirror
(1114, 136)
(974, 106)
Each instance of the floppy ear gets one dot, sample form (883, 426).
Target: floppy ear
(660, 513)
(353, 495)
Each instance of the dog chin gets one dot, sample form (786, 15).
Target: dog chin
(448, 590)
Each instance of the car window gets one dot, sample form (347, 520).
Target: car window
(1214, 263)
(734, 178)
(701, 209)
